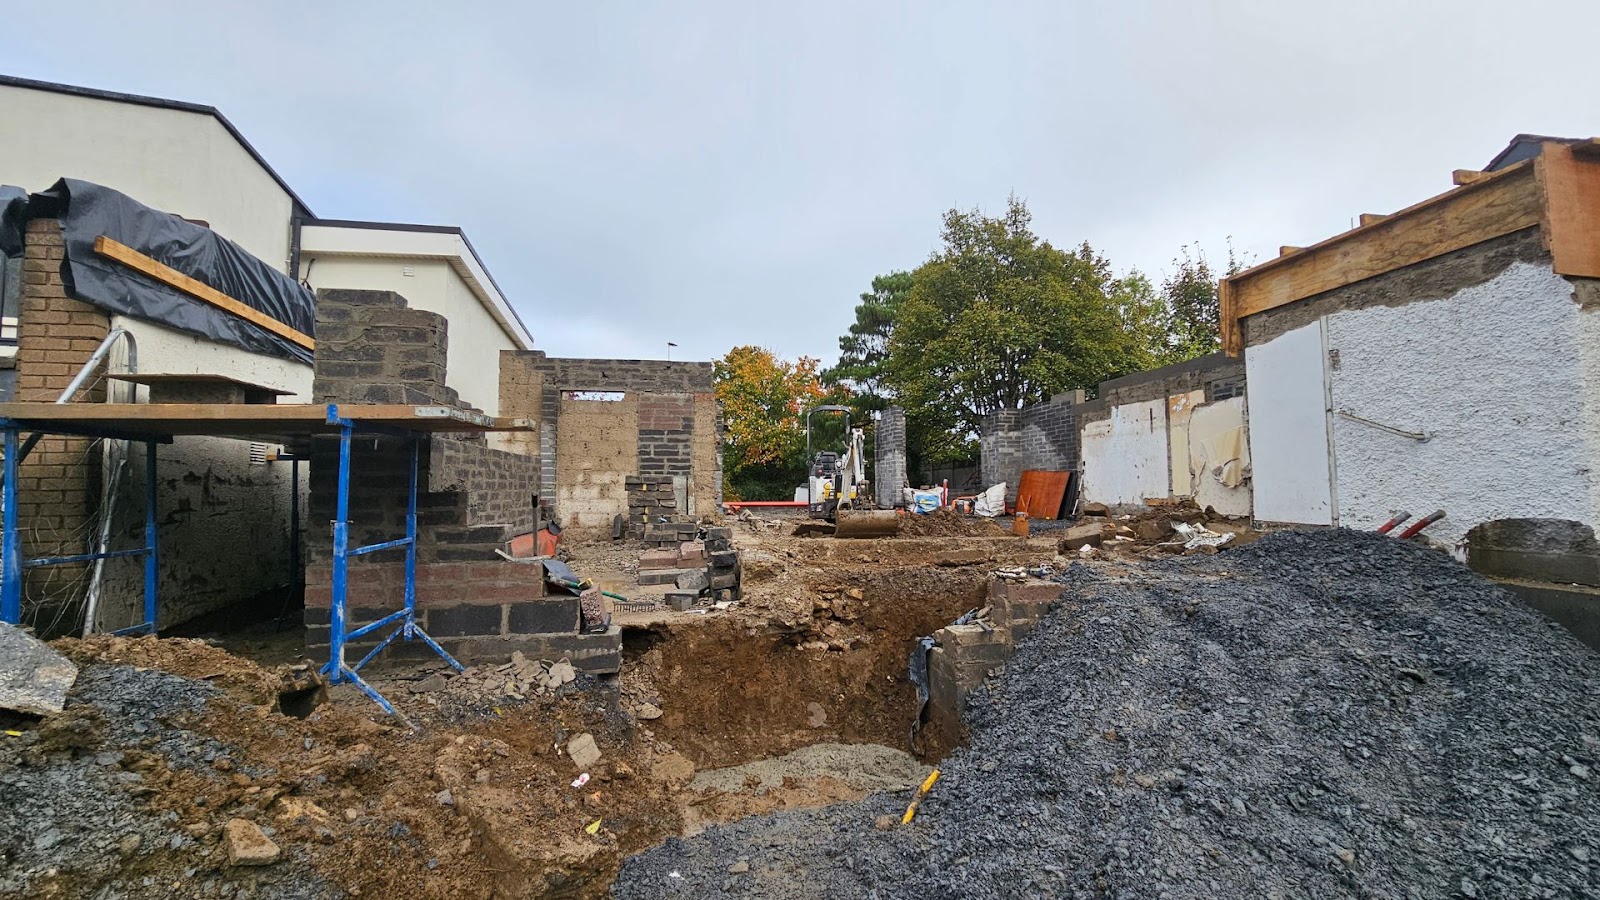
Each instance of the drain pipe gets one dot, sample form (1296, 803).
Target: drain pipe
(118, 463)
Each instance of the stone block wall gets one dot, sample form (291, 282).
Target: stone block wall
(606, 426)
(472, 498)
(889, 457)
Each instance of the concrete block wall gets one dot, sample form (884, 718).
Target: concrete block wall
(603, 422)
(964, 655)
(889, 457)
(1042, 436)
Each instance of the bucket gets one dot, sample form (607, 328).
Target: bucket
(1019, 525)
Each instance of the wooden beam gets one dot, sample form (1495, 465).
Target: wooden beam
(243, 419)
(1506, 202)
(1285, 250)
(1232, 335)
(1462, 177)
(199, 290)
(1371, 219)
(1570, 182)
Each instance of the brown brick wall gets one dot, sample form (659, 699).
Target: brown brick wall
(59, 483)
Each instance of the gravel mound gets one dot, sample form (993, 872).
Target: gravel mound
(1319, 714)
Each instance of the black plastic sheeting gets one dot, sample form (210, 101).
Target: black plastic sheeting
(88, 211)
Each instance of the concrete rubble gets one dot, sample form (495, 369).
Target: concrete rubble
(34, 679)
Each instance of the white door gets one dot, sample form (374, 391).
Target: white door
(1288, 384)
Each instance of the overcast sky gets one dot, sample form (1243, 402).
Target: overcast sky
(727, 173)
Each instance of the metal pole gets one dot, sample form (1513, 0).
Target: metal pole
(411, 542)
(11, 540)
(341, 546)
(150, 558)
(294, 522)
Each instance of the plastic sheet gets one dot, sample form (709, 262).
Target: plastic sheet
(88, 211)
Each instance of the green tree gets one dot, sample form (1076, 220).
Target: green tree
(1193, 307)
(999, 319)
(864, 352)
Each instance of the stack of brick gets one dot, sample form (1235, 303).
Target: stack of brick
(669, 535)
(651, 498)
(724, 569)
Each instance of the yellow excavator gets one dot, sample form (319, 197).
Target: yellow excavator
(837, 488)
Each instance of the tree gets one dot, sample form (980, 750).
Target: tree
(1193, 307)
(864, 352)
(764, 400)
(999, 319)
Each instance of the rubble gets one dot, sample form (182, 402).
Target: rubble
(33, 678)
(247, 844)
(1230, 725)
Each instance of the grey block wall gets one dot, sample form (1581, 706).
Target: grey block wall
(889, 457)
(1042, 436)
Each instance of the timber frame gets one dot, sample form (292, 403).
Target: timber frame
(1557, 192)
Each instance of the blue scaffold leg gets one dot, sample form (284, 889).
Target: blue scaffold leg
(11, 540)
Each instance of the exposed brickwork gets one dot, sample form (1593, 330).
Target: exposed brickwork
(59, 482)
(1042, 436)
(651, 498)
(666, 424)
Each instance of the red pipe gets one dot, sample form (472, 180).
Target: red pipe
(1389, 526)
(1422, 523)
(786, 504)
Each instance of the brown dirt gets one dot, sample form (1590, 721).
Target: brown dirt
(948, 523)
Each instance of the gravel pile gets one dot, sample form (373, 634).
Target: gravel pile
(1324, 714)
(73, 818)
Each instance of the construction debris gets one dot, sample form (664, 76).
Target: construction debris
(1232, 726)
(247, 844)
(33, 678)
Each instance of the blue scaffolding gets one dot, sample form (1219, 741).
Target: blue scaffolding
(404, 619)
(150, 424)
(13, 564)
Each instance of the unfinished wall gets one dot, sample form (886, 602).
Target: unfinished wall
(1041, 436)
(472, 498)
(889, 458)
(1125, 455)
(601, 422)
(1219, 461)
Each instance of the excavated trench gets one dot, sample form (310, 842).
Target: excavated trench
(732, 692)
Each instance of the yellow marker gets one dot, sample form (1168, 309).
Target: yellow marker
(10, 733)
(921, 792)
(593, 827)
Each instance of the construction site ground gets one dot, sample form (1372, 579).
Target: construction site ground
(732, 734)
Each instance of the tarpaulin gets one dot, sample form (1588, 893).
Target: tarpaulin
(88, 211)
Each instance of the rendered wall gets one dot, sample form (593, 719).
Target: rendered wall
(1289, 428)
(186, 163)
(1219, 462)
(1496, 376)
(1125, 455)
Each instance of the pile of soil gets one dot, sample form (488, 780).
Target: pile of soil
(947, 522)
(1328, 714)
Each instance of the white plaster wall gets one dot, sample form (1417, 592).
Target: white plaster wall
(1125, 456)
(167, 351)
(1495, 375)
(1589, 350)
(1289, 428)
(1219, 453)
(476, 339)
(1179, 408)
(181, 162)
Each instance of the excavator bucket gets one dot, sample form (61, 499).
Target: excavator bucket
(867, 523)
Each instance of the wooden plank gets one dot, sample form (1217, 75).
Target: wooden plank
(1286, 249)
(1232, 334)
(1571, 184)
(199, 290)
(241, 419)
(1040, 492)
(1505, 203)
(1372, 218)
(1467, 176)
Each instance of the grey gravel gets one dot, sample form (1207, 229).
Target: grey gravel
(1317, 714)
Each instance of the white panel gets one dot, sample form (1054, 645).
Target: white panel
(1495, 377)
(1289, 427)
(1125, 456)
(1179, 407)
(1219, 455)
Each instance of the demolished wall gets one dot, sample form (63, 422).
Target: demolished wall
(472, 498)
(606, 426)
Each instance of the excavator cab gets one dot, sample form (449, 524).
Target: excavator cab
(837, 487)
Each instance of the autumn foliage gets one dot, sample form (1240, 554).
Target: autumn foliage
(764, 400)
